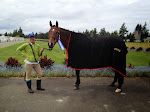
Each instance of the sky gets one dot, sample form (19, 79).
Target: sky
(74, 15)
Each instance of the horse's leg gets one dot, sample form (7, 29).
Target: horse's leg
(121, 78)
(120, 81)
(115, 79)
(77, 80)
(122, 69)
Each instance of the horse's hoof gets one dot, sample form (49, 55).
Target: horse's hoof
(118, 90)
(75, 84)
(76, 88)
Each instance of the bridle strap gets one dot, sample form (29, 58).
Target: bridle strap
(54, 38)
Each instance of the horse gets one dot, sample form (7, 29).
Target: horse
(86, 53)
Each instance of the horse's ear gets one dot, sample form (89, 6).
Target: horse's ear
(57, 23)
(50, 23)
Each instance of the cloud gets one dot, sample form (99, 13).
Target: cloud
(75, 15)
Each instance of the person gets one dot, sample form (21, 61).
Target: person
(32, 54)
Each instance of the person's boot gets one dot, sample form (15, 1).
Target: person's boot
(38, 82)
(29, 86)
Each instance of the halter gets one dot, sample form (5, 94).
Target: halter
(54, 38)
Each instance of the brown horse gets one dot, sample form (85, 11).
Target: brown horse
(111, 52)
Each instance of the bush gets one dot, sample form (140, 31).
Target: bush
(12, 62)
(132, 48)
(46, 63)
(130, 66)
(139, 49)
(148, 50)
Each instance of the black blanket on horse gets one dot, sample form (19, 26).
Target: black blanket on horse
(86, 52)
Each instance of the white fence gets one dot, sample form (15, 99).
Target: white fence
(10, 39)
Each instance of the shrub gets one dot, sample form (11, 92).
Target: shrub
(130, 66)
(148, 50)
(12, 62)
(132, 48)
(139, 49)
(46, 63)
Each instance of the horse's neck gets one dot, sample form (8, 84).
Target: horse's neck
(64, 37)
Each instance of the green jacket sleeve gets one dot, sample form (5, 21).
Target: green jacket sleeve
(21, 48)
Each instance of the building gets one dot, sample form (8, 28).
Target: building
(137, 35)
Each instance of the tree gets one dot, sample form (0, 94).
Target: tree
(6, 34)
(86, 32)
(143, 30)
(115, 33)
(123, 31)
(15, 32)
(131, 37)
(138, 27)
(103, 32)
(20, 32)
(93, 33)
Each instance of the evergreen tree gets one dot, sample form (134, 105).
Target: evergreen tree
(6, 34)
(95, 32)
(15, 32)
(145, 31)
(20, 32)
(86, 32)
(123, 31)
(102, 32)
(91, 33)
(131, 37)
(138, 27)
(115, 33)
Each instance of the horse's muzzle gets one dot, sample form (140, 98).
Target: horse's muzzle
(50, 45)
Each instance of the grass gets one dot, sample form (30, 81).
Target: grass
(137, 45)
(138, 58)
(56, 54)
(133, 57)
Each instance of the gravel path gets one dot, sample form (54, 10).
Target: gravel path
(5, 44)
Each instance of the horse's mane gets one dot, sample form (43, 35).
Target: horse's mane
(73, 33)
(64, 29)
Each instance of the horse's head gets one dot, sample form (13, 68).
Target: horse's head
(53, 35)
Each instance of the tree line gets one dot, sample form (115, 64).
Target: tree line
(123, 33)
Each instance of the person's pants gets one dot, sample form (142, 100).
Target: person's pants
(28, 69)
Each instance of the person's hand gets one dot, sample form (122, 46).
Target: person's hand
(42, 49)
(25, 56)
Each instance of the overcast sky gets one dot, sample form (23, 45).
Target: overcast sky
(75, 15)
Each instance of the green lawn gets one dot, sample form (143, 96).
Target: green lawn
(137, 45)
(133, 57)
(56, 54)
(138, 58)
